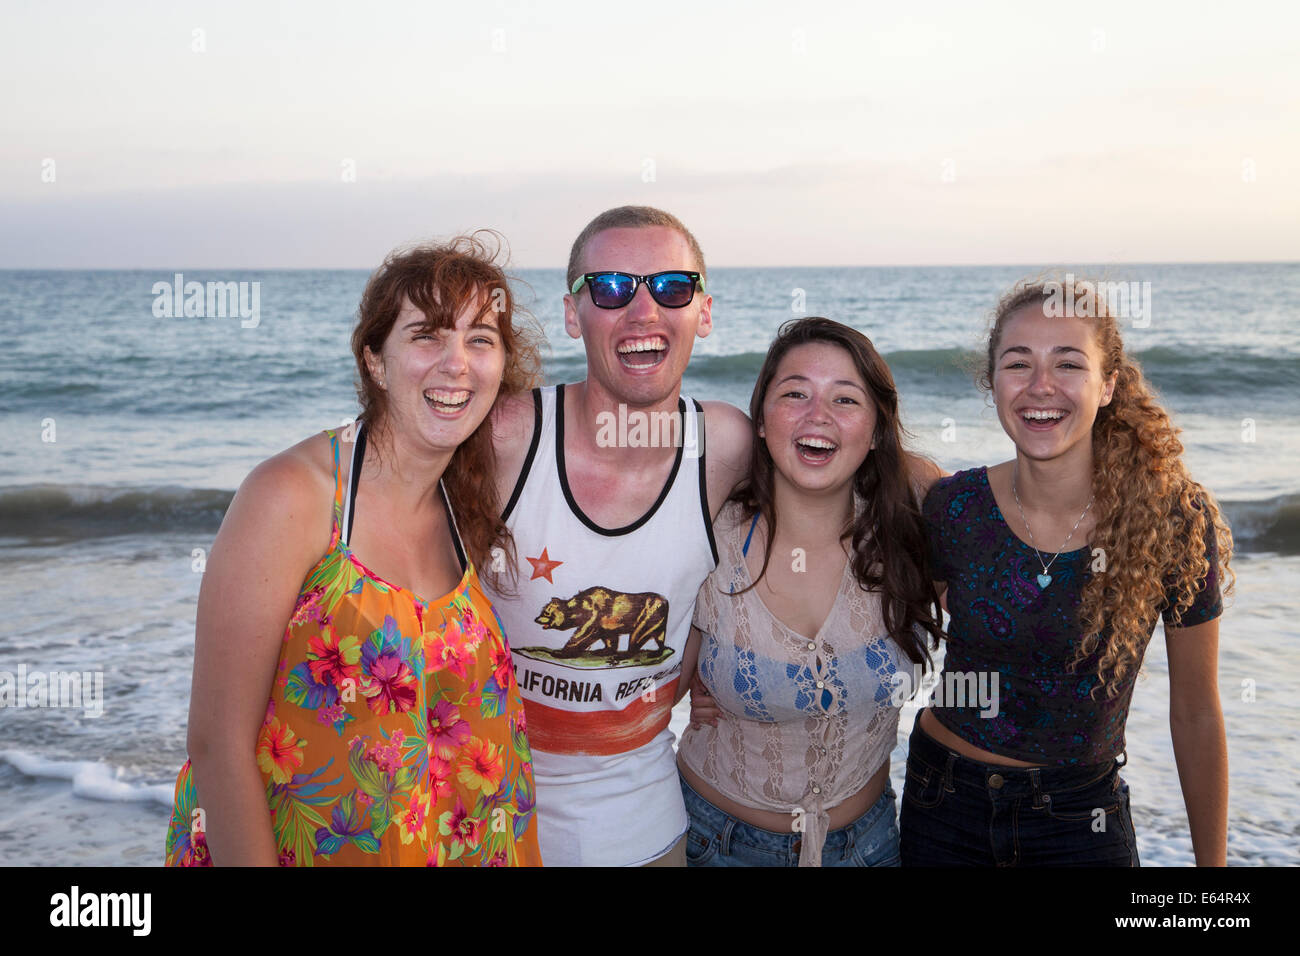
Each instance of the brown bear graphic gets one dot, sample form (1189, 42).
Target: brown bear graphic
(602, 615)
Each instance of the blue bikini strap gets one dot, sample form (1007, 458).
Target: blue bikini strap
(749, 537)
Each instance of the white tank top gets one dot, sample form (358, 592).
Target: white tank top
(597, 628)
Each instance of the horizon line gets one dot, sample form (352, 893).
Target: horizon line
(508, 268)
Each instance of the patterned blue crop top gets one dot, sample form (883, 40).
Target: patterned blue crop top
(1003, 622)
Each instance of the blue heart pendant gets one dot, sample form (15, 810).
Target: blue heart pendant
(1044, 580)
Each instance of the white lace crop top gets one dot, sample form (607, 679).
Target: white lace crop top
(805, 721)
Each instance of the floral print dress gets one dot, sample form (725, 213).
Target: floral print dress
(395, 732)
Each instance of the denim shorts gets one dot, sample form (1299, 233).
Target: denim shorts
(716, 838)
(962, 812)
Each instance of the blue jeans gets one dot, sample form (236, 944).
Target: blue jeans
(716, 838)
(962, 812)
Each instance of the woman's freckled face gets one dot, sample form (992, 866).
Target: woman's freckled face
(441, 383)
(819, 419)
(1047, 382)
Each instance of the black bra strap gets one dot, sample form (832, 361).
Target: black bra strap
(354, 480)
(455, 531)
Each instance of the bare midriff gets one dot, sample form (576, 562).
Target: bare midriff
(841, 815)
(930, 724)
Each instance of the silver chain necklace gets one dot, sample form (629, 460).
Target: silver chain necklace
(1045, 579)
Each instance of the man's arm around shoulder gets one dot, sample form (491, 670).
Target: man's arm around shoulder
(729, 442)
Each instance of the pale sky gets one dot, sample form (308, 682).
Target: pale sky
(321, 135)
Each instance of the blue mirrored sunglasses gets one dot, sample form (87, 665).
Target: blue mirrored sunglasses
(613, 290)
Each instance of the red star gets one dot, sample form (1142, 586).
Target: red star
(543, 566)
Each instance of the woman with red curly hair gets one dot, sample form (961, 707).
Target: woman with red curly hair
(1056, 565)
(354, 700)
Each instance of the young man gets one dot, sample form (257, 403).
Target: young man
(610, 495)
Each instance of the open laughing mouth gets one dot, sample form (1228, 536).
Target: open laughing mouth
(642, 353)
(446, 401)
(814, 450)
(1042, 419)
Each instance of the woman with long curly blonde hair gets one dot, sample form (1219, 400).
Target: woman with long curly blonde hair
(1056, 565)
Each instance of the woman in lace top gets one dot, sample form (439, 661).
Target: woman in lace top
(802, 631)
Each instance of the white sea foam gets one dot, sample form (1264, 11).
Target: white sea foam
(90, 779)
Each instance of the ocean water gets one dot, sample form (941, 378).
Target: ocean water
(128, 433)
